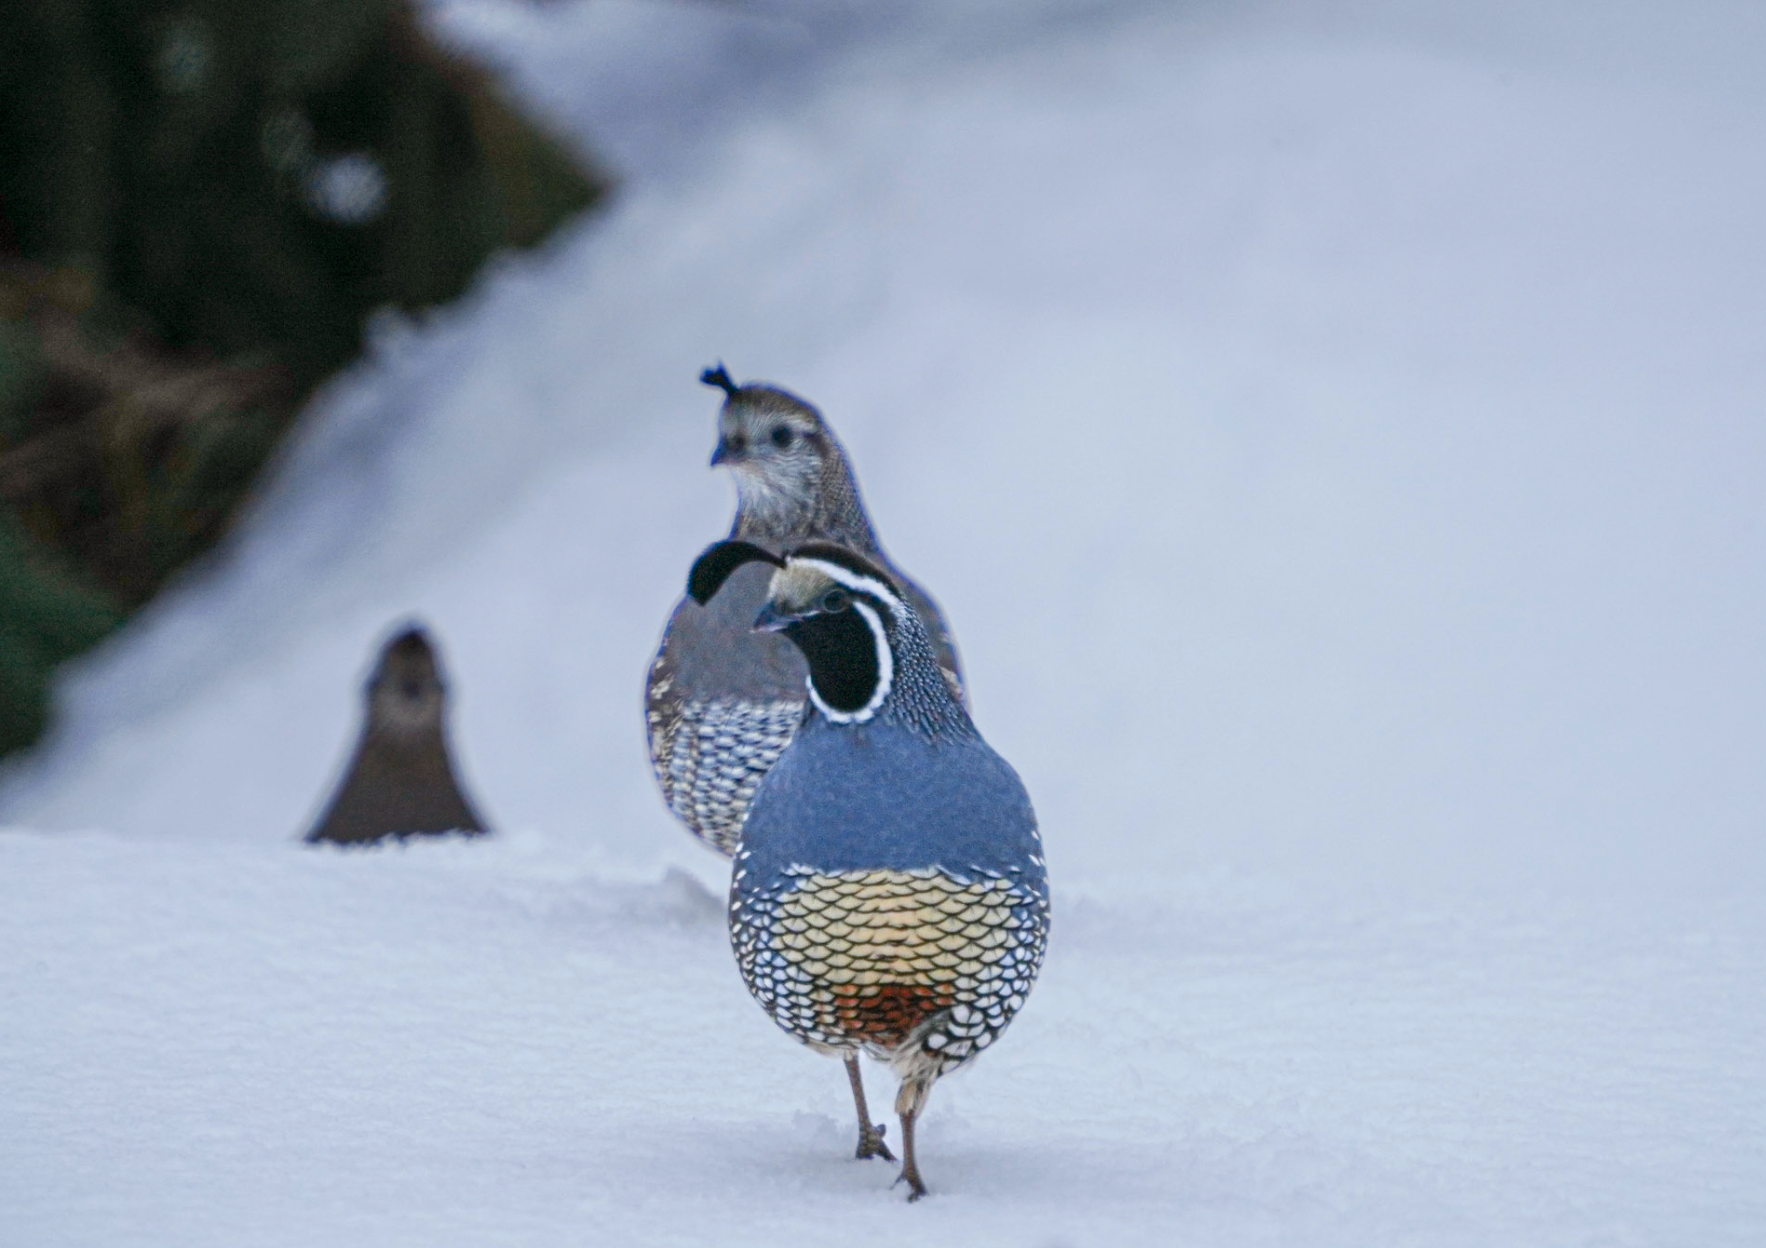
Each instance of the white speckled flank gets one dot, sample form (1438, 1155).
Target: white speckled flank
(712, 757)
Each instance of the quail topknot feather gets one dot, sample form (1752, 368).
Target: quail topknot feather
(890, 895)
(722, 701)
(401, 777)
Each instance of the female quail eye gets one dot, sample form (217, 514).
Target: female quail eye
(782, 436)
(836, 601)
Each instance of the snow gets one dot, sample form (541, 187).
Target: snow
(234, 1043)
(1334, 433)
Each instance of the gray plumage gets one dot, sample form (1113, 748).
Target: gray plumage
(722, 701)
(401, 777)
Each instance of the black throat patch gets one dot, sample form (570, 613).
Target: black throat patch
(842, 657)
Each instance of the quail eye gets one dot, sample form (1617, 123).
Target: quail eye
(835, 601)
(782, 436)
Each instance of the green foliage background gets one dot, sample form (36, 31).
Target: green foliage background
(200, 202)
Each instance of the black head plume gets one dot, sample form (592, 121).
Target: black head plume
(713, 568)
(719, 377)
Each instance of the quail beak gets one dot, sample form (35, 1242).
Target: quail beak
(772, 620)
(723, 454)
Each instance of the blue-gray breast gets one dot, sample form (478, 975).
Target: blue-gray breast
(890, 895)
(723, 700)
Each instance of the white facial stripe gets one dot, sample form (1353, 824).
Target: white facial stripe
(859, 584)
(885, 668)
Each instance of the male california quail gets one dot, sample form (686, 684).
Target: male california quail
(401, 779)
(723, 700)
(889, 893)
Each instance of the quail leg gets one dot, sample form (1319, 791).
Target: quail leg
(870, 1136)
(910, 1170)
(908, 1104)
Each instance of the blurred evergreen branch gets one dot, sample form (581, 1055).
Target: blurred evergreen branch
(200, 202)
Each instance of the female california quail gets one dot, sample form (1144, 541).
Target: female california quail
(401, 778)
(722, 700)
(889, 894)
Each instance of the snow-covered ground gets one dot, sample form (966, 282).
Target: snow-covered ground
(1336, 432)
(239, 1044)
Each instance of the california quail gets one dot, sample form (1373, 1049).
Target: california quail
(889, 893)
(401, 779)
(723, 700)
